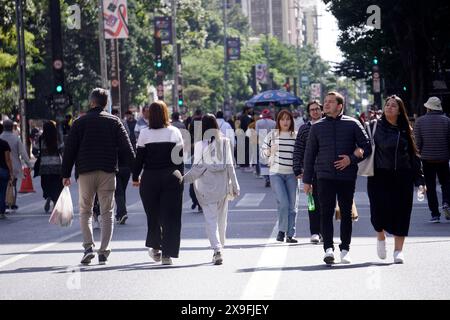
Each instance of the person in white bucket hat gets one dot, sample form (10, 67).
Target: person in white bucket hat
(432, 133)
(433, 103)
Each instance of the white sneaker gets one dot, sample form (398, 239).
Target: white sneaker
(381, 249)
(345, 257)
(399, 257)
(154, 254)
(329, 256)
(166, 260)
(315, 238)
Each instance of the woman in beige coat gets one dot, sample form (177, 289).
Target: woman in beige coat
(215, 182)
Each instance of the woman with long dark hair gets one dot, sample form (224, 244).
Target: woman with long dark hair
(50, 166)
(278, 150)
(215, 182)
(397, 167)
(160, 154)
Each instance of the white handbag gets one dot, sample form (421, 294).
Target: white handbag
(366, 167)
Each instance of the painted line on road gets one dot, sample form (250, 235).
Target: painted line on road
(262, 284)
(37, 249)
(251, 200)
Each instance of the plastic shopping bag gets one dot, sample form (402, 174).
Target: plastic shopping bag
(62, 214)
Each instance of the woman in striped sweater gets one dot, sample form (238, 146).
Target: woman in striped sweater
(277, 150)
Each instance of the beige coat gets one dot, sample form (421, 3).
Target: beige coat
(213, 172)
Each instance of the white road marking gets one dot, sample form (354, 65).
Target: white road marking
(37, 249)
(263, 283)
(251, 200)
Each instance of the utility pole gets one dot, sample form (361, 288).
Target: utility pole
(226, 100)
(174, 58)
(22, 74)
(102, 46)
(268, 14)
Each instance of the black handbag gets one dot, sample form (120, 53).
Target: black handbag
(37, 164)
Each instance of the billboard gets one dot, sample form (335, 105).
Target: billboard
(261, 73)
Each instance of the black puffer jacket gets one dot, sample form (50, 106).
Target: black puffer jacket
(95, 142)
(329, 138)
(392, 151)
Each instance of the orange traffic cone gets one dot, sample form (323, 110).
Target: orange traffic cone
(27, 184)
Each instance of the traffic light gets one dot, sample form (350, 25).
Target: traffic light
(404, 88)
(59, 88)
(180, 98)
(158, 52)
(375, 61)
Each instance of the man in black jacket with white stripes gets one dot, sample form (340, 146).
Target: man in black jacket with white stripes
(329, 155)
(94, 144)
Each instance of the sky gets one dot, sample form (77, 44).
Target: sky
(328, 34)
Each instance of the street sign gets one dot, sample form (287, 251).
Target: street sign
(163, 25)
(115, 19)
(261, 73)
(233, 48)
(316, 91)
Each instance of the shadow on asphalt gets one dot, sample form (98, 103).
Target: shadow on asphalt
(321, 267)
(150, 265)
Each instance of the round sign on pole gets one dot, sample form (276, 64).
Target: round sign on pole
(57, 64)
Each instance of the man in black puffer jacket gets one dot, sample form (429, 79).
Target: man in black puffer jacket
(329, 155)
(94, 144)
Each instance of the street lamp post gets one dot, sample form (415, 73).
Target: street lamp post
(174, 57)
(22, 73)
(226, 102)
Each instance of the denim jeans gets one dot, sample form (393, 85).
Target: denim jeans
(4, 177)
(285, 186)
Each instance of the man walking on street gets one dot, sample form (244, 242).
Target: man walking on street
(94, 144)
(432, 133)
(18, 154)
(329, 155)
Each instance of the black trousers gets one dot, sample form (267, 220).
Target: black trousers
(122, 178)
(314, 216)
(161, 193)
(328, 191)
(430, 170)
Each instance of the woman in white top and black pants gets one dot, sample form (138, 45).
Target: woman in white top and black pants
(278, 150)
(160, 154)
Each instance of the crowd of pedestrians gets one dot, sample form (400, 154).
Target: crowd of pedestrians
(323, 153)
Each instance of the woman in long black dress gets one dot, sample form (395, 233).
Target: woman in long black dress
(396, 169)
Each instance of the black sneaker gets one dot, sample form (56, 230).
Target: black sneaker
(280, 236)
(102, 259)
(122, 219)
(47, 205)
(267, 185)
(14, 207)
(291, 240)
(193, 206)
(88, 256)
(435, 220)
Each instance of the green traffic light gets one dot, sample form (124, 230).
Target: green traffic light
(59, 88)
(158, 64)
(404, 88)
(375, 61)
(180, 102)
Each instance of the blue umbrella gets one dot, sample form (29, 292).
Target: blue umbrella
(277, 97)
